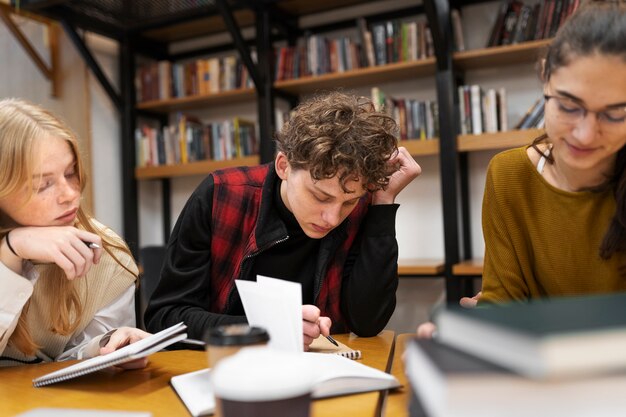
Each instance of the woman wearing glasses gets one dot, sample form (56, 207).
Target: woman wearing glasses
(554, 213)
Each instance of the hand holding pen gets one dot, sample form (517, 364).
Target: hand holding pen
(73, 250)
(313, 325)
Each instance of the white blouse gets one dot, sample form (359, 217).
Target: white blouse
(16, 290)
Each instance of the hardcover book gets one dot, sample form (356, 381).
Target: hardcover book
(449, 382)
(561, 337)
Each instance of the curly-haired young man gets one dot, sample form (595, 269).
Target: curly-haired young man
(322, 214)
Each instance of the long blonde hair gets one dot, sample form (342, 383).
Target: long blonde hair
(22, 126)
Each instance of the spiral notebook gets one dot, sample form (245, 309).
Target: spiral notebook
(323, 345)
(140, 349)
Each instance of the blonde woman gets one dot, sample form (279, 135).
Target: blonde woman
(66, 281)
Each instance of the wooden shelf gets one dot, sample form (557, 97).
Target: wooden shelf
(498, 140)
(525, 52)
(214, 24)
(418, 147)
(192, 168)
(182, 103)
(363, 76)
(469, 268)
(420, 266)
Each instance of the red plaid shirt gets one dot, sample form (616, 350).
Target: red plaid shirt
(243, 226)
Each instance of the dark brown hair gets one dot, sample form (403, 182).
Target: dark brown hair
(340, 134)
(599, 27)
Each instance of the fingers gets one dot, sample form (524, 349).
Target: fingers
(406, 161)
(324, 325)
(310, 313)
(468, 302)
(65, 246)
(122, 337)
(426, 330)
(313, 324)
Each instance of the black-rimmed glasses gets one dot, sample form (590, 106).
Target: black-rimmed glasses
(571, 111)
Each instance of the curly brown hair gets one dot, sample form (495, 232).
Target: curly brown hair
(340, 134)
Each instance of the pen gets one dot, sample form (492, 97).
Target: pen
(331, 340)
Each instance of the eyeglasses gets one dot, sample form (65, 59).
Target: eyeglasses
(571, 111)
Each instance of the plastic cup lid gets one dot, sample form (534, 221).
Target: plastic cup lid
(262, 374)
(236, 335)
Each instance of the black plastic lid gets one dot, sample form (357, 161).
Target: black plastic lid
(236, 335)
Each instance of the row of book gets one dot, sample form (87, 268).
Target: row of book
(518, 22)
(417, 120)
(482, 111)
(550, 357)
(190, 140)
(384, 43)
(163, 80)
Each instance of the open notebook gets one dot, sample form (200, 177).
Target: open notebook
(140, 349)
(335, 376)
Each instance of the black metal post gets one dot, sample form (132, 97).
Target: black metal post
(265, 92)
(127, 113)
(166, 205)
(438, 13)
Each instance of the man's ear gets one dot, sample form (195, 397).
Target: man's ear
(282, 165)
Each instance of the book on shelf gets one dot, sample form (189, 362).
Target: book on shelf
(416, 119)
(137, 350)
(333, 376)
(482, 111)
(162, 80)
(519, 22)
(534, 116)
(382, 43)
(190, 140)
(449, 382)
(457, 30)
(551, 338)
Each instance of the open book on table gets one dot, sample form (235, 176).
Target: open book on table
(139, 349)
(334, 376)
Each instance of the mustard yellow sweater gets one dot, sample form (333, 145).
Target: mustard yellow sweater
(541, 241)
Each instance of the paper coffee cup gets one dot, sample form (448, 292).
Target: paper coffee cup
(223, 341)
(262, 382)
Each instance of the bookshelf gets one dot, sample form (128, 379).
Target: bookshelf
(152, 36)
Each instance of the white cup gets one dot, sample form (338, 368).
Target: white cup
(262, 382)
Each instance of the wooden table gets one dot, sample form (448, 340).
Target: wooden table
(397, 401)
(149, 390)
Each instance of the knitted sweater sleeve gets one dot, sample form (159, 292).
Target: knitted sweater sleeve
(503, 278)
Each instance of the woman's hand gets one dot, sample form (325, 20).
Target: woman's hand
(427, 330)
(313, 325)
(122, 337)
(65, 246)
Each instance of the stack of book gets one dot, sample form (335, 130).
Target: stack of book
(561, 357)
